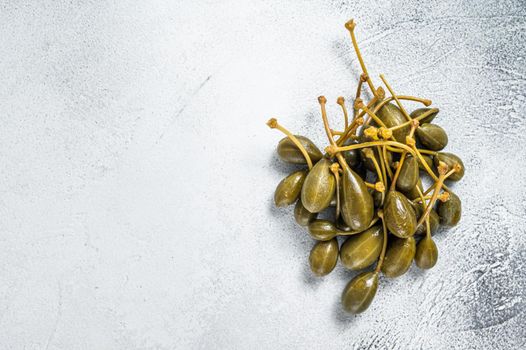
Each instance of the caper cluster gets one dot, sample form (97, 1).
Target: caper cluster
(370, 181)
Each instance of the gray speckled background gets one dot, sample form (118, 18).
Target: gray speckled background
(137, 173)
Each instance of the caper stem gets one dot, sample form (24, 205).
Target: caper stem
(382, 103)
(373, 116)
(341, 102)
(384, 152)
(273, 124)
(370, 155)
(362, 79)
(336, 149)
(426, 167)
(350, 27)
(426, 151)
(420, 117)
(402, 157)
(335, 170)
(384, 243)
(404, 112)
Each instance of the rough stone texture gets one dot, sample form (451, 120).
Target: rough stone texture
(137, 173)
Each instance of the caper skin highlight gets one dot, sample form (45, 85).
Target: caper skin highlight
(323, 230)
(290, 153)
(323, 257)
(432, 136)
(319, 187)
(426, 253)
(450, 159)
(359, 292)
(289, 189)
(363, 249)
(357, 203)
(399, 215)
(303, 216)
(399, 256)
(409, 176)
(450, 211)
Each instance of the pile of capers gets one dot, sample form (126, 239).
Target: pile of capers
(370, 181)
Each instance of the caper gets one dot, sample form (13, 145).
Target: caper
(352, 157)
(413, 192)
(290, 153)
(426, 253)
(450, 211)
(363, 249)
(434, 221)
(369, 164)
(391, 116)
(323, 230)
(432, 136)
(399, 256)
(418, 112)
(289, 189)
(323, 257)
(399, 215)
(303, 216)
(409, 177)
(357, 203)
(429, 161)
(318, 188)
(450, 159)
(359, 292)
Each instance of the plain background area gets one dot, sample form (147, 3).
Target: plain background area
(137, 172)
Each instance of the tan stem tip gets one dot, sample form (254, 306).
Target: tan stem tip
(380, 92)
(350, 25)
(359, 121)
(415, 123)
(340, 101)
(410, 141)
(380, 213)
(457, 167)
(335, 167)
(428, 103)
(385, 133)
(331, 149)
(444, 197)
(371, 133)
(368, 153)
(322, 100)
(379, 187)
(358, 103)
(442, 168)
(272, 123)
(363, 77)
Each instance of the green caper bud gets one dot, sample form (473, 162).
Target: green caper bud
(399, 256)
(319, 187)
(352, 157)
(357, 203)
(426, 253)
(450, 159)
(391, 116)
(368, 162)
(434, 221)
(418, 112)
(429, 161)
(413, 192)
(432, 136)
(399, 215)
(323, 257)
(409, 176)
(323, 230)
(359, 292)
(363, 249)
(289, 189)
(450, 211)
(303, 216)
(290, 153)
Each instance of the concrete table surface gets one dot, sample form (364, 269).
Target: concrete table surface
(137, 173)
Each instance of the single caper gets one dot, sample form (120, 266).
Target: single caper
(352, 157)
(409, 176)
(399, 256)
(413, 192)
(360, 292)
(289, 189)
(426, 255)
(368, 162)
(323, 257)
(363, 249)
(432, 136)
(450, 211)
(290, 153)
(303, 216)
(357, 203)
(323, 230)
(450, 159)
(434, 221)
(399, 215)
(319, 187)
(418, 112)
(391, 116)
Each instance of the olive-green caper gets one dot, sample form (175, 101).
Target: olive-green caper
(352, 157)
(413, 192)
(359, 292)
(418, 112)
(357, 203)
(368, 162)
(319, 187)
(323, 257)
(450, 159)
(289, 189)
(399, 256)
(429, 161)
(432, 136)
(434, 221)
(363, 249)
(303, 216)
(426, 255)
(323, 230)
(450, 211)
(399, 215)
(409, 176)
(290, 153)
(391, 116)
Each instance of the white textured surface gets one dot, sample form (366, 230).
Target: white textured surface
(137, 173)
